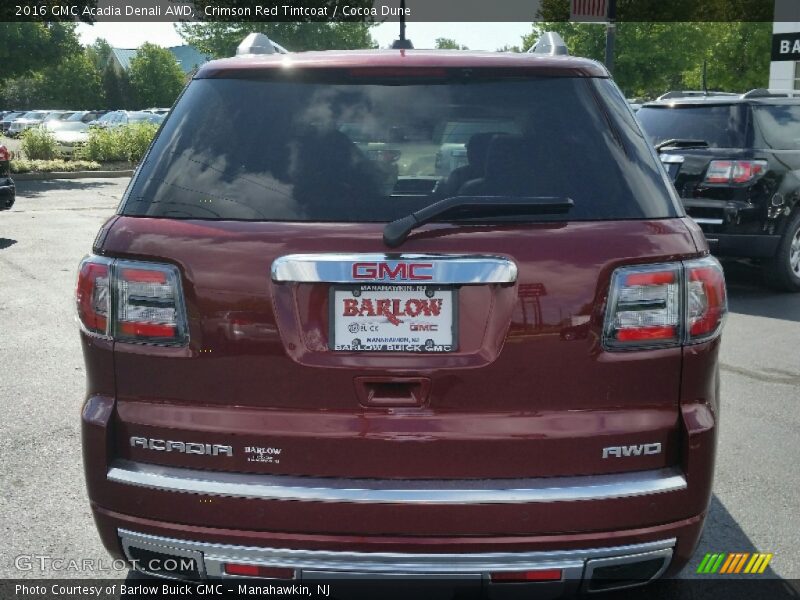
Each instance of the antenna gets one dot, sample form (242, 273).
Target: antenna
(705, 78)
(402, 43)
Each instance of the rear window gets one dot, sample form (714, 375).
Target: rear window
(372, 150)
(721, 126)
(777, 127)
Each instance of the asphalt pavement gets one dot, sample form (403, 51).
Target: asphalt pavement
(44, 510)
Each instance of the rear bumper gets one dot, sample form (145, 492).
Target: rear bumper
(746, 246)
(580, 568)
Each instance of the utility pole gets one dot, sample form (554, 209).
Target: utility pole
(611, 34)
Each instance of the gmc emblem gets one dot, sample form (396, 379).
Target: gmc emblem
(402, 271)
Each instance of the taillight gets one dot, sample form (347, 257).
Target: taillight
(735, 171)
(92, 294)
(664, 305)
(706, 298)
(131, 301)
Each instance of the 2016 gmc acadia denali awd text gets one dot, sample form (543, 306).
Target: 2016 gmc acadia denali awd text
(388, 312)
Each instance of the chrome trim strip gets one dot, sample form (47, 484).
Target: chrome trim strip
(451, 269)
(704, 221)
(310, 562)
(379, 491)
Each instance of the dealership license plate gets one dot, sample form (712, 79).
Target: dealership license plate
(393, 318)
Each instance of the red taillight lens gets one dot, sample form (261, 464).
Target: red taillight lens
(735, 171)
(149, 303)
(131, 301)
(665, 305)
(646, 306)
(92, 294)
(525, 576)
(258, 571)
(707, 300)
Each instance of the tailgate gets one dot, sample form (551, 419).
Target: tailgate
(514, 381)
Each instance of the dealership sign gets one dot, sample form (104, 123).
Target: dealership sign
(786, 46)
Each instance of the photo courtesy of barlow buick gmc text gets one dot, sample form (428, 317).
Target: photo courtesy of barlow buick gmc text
(400, 299)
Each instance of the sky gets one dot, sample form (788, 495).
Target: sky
(476, 36)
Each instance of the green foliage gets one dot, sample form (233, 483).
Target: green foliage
(448, 44)
(24, 165)
(220, 39)
(652, 58)
(156, 78)
(708, 11)
(117, 93)
(30, 46)
(73, 82)
(127, 143)
(38, 144)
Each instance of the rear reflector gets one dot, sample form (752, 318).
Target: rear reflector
(258, 571)
(526, 576)
(665, 305)
(131, 301)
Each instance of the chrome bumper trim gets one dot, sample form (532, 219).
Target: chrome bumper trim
(381, 491)
(311, 564)
(706, 221)
(440, 269)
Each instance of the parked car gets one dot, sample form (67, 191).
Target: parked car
(518, 382)
(157, 111)
(7, 188)
(58, 115)
(69, 135)
(86, 116)
(734, 161)
(118, 118)
(5, 123)
(30, 119)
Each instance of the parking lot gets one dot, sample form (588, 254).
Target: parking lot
(44, 505)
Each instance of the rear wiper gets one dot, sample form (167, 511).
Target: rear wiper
(681, 143)
(396, 232)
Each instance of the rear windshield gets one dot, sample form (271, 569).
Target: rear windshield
(273, 149)
(721, 126)
(777, 126)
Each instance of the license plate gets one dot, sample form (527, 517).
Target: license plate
(393, 318)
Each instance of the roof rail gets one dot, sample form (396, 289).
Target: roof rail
(692, 94)
(765, 93)
(258, 43)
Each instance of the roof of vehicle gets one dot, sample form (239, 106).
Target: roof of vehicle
(757, 96)
(332, 59)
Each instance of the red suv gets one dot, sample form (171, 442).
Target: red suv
(309, 359)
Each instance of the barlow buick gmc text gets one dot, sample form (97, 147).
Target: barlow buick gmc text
(429, 313)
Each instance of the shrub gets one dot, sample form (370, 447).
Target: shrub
(38, 144)
(24, 165)
(126, 143)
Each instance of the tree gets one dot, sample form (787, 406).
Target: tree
(117, 91)
(99, 53)
(73, 83)
(448, 44)
(220, 39)
(653, 57)
(29, 46)
(156, 79)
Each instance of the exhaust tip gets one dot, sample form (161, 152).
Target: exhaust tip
(625, 571)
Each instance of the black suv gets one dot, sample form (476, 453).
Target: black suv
(735, 160)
